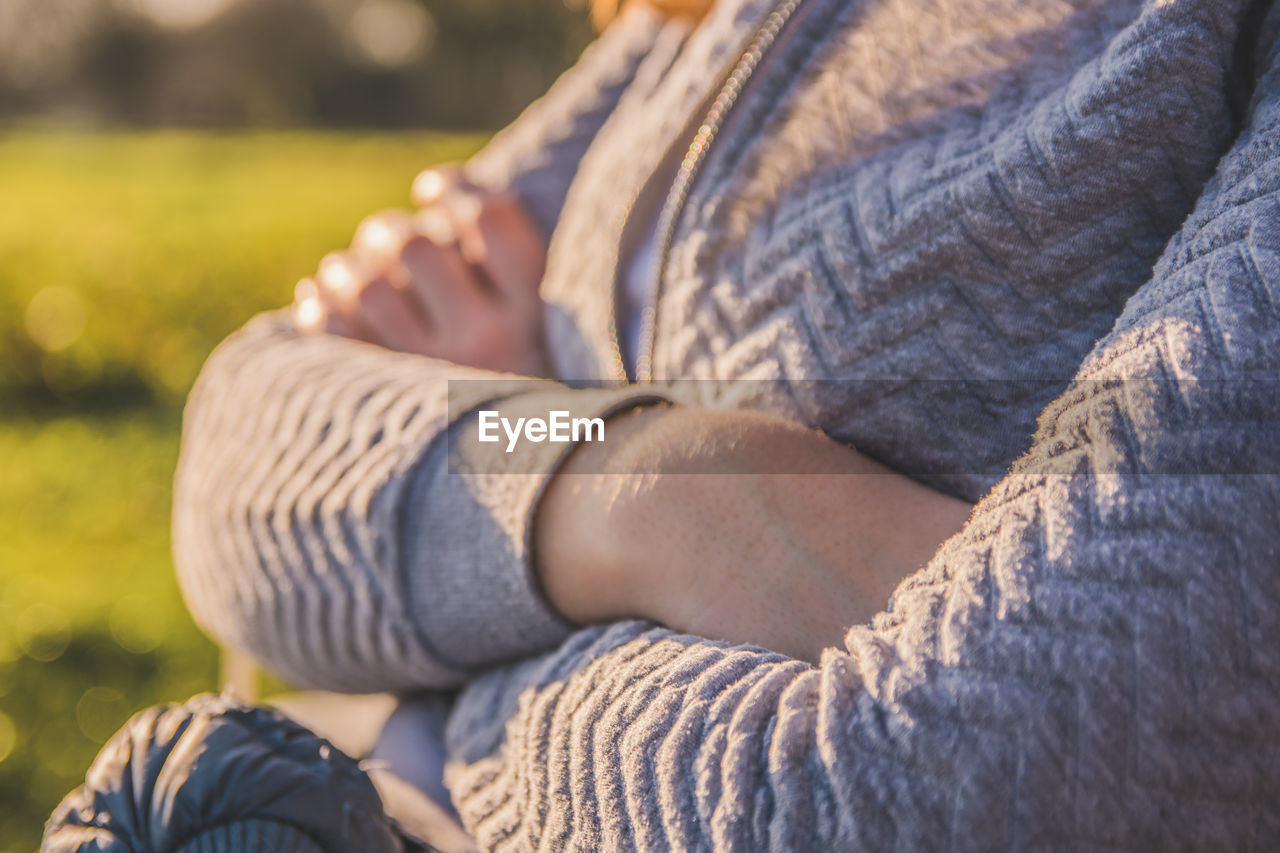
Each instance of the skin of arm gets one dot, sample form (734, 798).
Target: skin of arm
(734, 526)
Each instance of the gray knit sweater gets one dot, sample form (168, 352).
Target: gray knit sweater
(1034, 251)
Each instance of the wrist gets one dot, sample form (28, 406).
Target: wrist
(584, 524)
(674, 504)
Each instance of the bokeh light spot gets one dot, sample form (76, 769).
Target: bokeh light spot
(181, 14)
(43, 633)
(134, 624)
(100, 712)
(390, 33)
(56, 318)
(8, 648)
(8, 736)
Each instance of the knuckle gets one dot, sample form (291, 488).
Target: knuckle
(435, 225)
(330, 260)
(341, 279)
(382, 232)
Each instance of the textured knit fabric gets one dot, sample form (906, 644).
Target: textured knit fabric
(1092, 662)
(296, 523)
(1090, 240)
(212, 776)
(535, 157)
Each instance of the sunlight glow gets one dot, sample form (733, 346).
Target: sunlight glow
(390, 33)
(56, 317)
(180, 14)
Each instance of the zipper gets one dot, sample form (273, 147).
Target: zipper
(678, 194)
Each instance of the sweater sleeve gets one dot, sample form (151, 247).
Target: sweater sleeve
(537, 155)
(1092, 661)
(320, 522)
(334, 516)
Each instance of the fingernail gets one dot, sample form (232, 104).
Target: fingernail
(337, 276)
(308, 314)
(380, 236)
(429, 186)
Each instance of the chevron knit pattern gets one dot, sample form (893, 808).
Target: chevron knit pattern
(1091, 663)
(1090, 244)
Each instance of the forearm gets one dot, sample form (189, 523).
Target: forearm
(323, 522)
(735, 526)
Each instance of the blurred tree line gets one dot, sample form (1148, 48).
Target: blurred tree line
(283, 63)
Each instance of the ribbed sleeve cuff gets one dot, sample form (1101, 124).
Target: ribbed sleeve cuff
(467, 531)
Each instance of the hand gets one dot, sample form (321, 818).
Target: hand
(458, 280)
(733, 526)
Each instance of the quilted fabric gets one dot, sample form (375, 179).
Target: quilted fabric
(212, 776)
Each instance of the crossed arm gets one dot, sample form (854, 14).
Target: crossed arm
(1077, 663)
(726, 524)
(320, 524)
(1094, 628)
(1083, 664)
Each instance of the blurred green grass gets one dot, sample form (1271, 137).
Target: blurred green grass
(124, 259)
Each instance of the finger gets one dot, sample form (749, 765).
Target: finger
(497, 235)
(370, 302)
(379, 238)
(434, 286)
(382, 239)
(432, 184)
(308, 314)
(435, 224)
(338, 283)
(387, 311)
(311, 316)
(446, 287)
